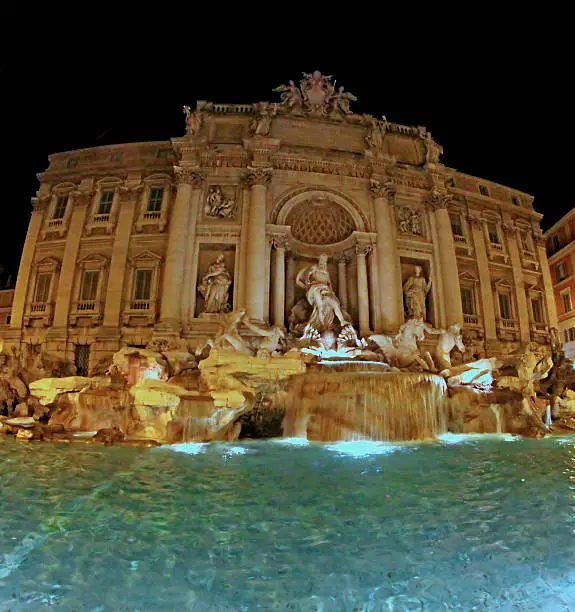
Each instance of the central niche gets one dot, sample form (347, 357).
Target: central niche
(320, 221)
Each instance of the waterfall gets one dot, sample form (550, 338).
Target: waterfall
(357, 400)
(548, 421)
(496, 409)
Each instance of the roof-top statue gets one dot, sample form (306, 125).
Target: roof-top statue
(316, 95)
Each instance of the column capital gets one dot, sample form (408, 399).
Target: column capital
(381, 190)
(363, 249)
(509, 227)
(258, 176)
(189, 176)
(39, 203)
(438, 199)
(279, 241)
(343, 260)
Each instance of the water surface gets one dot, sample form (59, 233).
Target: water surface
(467, 523)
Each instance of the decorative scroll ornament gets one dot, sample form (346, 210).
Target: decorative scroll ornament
(258, 176)
(40, 202)
(410, 221)
(261, 124)
(316, 95)
(381, 190)
(217, 205)
(81, 198)
(131, 192)
(438, 199)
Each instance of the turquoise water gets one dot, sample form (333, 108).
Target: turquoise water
(467, 523)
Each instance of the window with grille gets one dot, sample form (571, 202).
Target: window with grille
(89, 288)
(493, 235)
(505, 306)
(537, 309)
(456, 227)
(143, 284)
(566, 298)
(42, 291)
(60, 208)
(467, 301)
(561, 271)
(105, 206)
(155, 199)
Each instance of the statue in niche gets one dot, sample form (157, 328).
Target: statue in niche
(261, 124)
(415, 290)
(320, 295)
(218, 206)
(449, 339)
(193, 121)
(215, 287)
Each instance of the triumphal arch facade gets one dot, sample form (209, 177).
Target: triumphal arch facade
(135, 242)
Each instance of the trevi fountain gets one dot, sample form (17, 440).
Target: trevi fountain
(307, 466)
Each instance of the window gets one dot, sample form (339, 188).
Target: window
(483, 190)
(60, 209)
(505, 306)
(515, 200)
(105, 205)
(467, 300)
(155, 199)
(82, 359)
(537, 310)
(524, 241)
(89, 288)
(72, 162)
(42, 291)
(8, 319)
(561, 271)
(566, 297)
(143, 284)
(569, 334)
(493, 235)
(555, 243)
(456, 225)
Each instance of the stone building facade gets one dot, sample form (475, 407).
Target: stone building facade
(560, 240)
(122, 238)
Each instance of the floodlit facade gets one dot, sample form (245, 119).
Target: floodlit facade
(560, 239)
(132, 242)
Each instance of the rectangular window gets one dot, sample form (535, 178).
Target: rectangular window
(155, 199)
(515, 200)
(467, 300)
(82, 359)
(456, 227)
(505, 306)
(105, 205)
(42, 291)
(570, 334)
(60, 209)
(566, 298)
(8, 319)
(493, 235)
(537, 309)
(561, 271)
(143, 285)
(483, 190)
(89, 286)
(555, 243)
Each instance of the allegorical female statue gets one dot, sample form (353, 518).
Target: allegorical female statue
(319, 293)
(215, 287)
(415, 290)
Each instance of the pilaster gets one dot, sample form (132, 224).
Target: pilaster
(519, 282)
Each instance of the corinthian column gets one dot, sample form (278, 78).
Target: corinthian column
(188, 297)
(519, 281)
(362, 289)
(171, 298)
(342, 280)
(388, 264)
(447, 261)
(279, 297)
(258, 179)
(547, 282)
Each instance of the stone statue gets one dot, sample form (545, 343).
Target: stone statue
(215, 287)
(449, 339)
(415, 290)
(320, 295)
(432, 149)
(298, 317)
(218, 206)
(291, 98)
(402, 351)
(340, 100)
(375, 135)
(416, 223)
(193, 122)
(261, 124)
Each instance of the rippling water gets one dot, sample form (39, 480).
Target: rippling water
(467, 523)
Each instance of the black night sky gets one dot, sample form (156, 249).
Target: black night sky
(502, 113)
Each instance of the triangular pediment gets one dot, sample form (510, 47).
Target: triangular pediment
(147, 256)
(503, 283)
(468, 277)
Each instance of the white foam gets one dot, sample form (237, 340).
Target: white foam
(362, 448)
(292, 441)
(189, 448)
